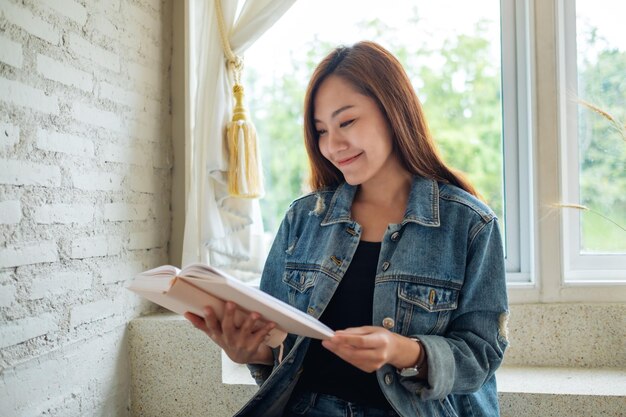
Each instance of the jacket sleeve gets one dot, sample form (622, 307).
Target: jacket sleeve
(463, 358)
(270, 282)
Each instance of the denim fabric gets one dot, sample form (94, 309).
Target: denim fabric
(321, 405)
(440, 278)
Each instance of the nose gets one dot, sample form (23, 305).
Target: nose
(335, 141)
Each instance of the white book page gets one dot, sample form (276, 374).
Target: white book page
(168, 270)
(285, 316)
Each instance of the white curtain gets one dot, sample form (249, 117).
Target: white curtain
(220, 230)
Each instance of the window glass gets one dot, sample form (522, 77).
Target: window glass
(453, 59)
(601, 98)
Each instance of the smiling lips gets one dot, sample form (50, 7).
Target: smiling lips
(349, 160)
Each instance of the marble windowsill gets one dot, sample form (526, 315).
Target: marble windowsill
(562, 381)
(564, 359)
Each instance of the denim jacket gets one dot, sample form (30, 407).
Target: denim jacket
(440, 278)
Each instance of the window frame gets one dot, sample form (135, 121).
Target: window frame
(549, 246)
(578, 267)
(516, 114)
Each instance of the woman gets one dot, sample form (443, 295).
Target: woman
(392, 249)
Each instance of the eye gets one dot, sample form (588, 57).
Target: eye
(320, 132)
(347, 123)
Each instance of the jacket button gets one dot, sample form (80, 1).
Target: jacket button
(388, 323)
(388, 378)
(386, 265)
(395, 236)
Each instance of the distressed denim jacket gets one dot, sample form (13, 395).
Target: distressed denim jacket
(440, 278)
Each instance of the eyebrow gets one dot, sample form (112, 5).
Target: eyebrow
(336, 112)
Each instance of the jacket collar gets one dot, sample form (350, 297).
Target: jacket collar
(422, 207)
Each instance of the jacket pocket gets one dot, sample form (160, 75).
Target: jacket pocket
(300, 280)
(424, 308)
(299, 283)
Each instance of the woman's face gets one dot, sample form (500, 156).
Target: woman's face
(353, 133)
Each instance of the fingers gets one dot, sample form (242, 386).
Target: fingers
(238, 333)
(228, 320)
(367, 348)
(197, 321)
(253, 323)
(235, 327)
(261, 335)
(212, 324)
(208, 324)
(356, 341)
(367, 360)
(367, 337)
(344, 349)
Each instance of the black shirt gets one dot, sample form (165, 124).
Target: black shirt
(351, 306)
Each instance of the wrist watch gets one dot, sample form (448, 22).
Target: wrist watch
(419, 364)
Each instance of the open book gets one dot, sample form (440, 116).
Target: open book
(197, 286)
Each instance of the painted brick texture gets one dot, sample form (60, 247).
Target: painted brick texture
(85, 185)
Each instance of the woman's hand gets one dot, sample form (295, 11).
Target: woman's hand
(244, 343)
(369, 348)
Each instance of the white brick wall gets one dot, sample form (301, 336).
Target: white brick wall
(28, 253)
(145, 74)
(64, 213)
(132, 155)
(10, 212)
(111, 7)
(24, 329)
(124, 211)
(32, 24)
(90, 247)
(65, 143)
(142, 17)
(69, 8)
(27, 173)
(91, 181)
(66, 74)
(7, 295)
(94, 53)
(144, 181)
(19, 94)
(87, 313)
(11, 52)
(75, 382)
(144, 132)
(84, 111)
(145, 240)
(9, 134)
(136, 101)
(57, 283)
(103, 25)
(120, 271)
(97, 117)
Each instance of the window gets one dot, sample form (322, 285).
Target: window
(554, 254)
(543, 135)
(465, 70)
(593, 139)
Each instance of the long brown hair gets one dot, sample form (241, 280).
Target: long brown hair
(376, 73)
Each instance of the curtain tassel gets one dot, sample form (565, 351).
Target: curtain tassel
(244, 172)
